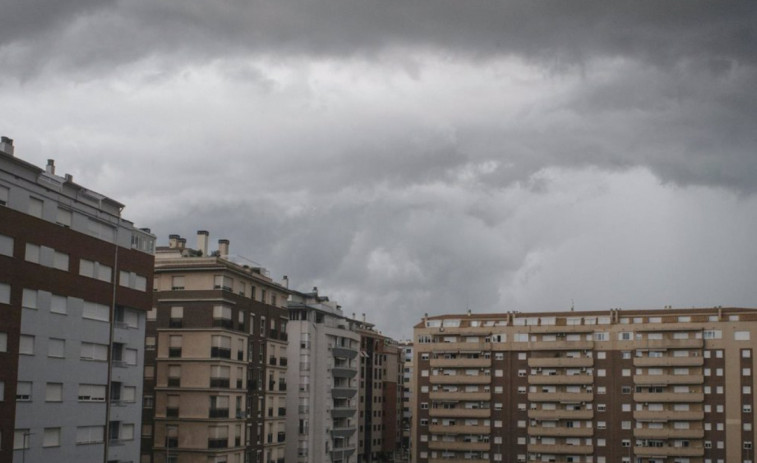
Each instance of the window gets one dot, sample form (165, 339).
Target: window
(21, 439)
(5, 293)
(58, 304)
(24, 391)
(56, 348)
(32, 253)
(6, 245)
(91, 393)
(93, 269)
(90, 434)
(741, 336)
(2, 391)
(54, 392)
(26, 345)
(177, 283)
(92, 351)
(4, 195)
(94, 311)
(51, 437)
(64, 217)
(3, 342)
(29, 298)
(35, 207)
(60, 261)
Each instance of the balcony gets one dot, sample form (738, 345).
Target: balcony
(560, 362)
(560, 345)
(561, 379)
(459, 460)
(560, 432)
(668, 451)
(219, 382)
(343, 392)
(458, 429)
(218, 413)
(550, 415)
(668, 361)
(343, 372)
(561, 449)
(343, 412)
(668, 415)
(460, 395)
(669, 397)
(462, 346)
(345, 432)
(460, 446)
(342, 453)
(669, 344)
(461, 363)
(640, 380)
(460, 379)
(219, 443)
(343, 352)
(220, 353)
(460, 412)
(562, 397)
(646, 433)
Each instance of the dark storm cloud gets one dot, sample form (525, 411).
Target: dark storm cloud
(561, 33)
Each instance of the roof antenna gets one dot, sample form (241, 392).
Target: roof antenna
(572, 305)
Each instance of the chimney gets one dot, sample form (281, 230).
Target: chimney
(182, 243)
(173, 241)
(223, 248)
(202, 242)
(6, 145)
(50, 168)
(285, 281)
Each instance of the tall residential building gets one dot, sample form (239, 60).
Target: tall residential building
(75, 285)
(215, 364)
(380, 396)
(323, 348)
(407, 394)
(647, 386)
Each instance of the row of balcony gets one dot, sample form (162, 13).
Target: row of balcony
(565, 449)
(459, 446)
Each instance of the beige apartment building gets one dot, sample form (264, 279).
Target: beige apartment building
(215, 359)
(645, 386)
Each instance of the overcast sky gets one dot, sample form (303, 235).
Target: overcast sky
(411, 156)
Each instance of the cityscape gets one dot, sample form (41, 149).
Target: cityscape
(116, 349)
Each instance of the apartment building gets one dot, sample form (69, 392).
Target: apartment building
(75, 285)
(215, 364)
(380, 395)
(647, 386)
(407, 393)
(323, 350)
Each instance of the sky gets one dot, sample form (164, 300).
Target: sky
(414, 156)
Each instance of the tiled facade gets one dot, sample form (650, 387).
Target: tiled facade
(75, 285)
(215, 380)
(597, 387)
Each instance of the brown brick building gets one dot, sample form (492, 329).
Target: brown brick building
(215, 380)
(647, 386)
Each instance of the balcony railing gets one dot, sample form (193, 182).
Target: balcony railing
(174, 352)
(220, 352)
(223, 323)
(218, 413)
(219, 382)
(219, 443)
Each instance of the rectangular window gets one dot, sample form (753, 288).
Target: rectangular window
(21, 438)
(54, 392)
(741, 336)
(26, 345)
(86, 268)
(92, 351)
(35, 207)
(32, 253)
(90, 434)
(56, 348)
(29, 298)
(3, 342)
(5, 293)
(91, 393)
(24, 391)
(64, 217)
(6, 246)
(94, 311)
(51, 437)
(59, 304)
(4, 195)
(2, 391)
(177, 283)
(60, 261)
